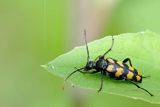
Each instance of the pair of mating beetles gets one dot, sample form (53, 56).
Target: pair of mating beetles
(117, 70)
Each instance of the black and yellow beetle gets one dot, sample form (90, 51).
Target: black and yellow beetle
(117, 70)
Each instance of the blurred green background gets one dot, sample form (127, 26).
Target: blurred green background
(33, 32)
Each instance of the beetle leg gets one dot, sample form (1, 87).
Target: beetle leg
(102, 78)
(94, 72)
(110, 47)
(145, 76)
(126, 60)
(96, 58)
(140, 87)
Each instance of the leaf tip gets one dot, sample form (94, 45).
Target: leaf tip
(48, 67)
(43, 66)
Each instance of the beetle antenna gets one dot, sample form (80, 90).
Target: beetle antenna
(73, 73)
(88, 57)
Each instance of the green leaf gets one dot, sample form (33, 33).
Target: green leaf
(143, 48)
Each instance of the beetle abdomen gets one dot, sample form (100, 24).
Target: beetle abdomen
(119, 70)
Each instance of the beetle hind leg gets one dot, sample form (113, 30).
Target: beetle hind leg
(127, 60)
(141, 88)
(145, 76)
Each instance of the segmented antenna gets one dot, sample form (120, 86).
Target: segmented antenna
(110, 47)
(74, 72)
(88, 57)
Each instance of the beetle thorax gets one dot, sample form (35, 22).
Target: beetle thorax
(101, 64)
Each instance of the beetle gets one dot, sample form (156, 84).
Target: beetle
(115, 69)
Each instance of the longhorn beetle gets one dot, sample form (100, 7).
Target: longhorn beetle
(117, 70)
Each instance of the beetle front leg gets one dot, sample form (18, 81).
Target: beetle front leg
(94, 72)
